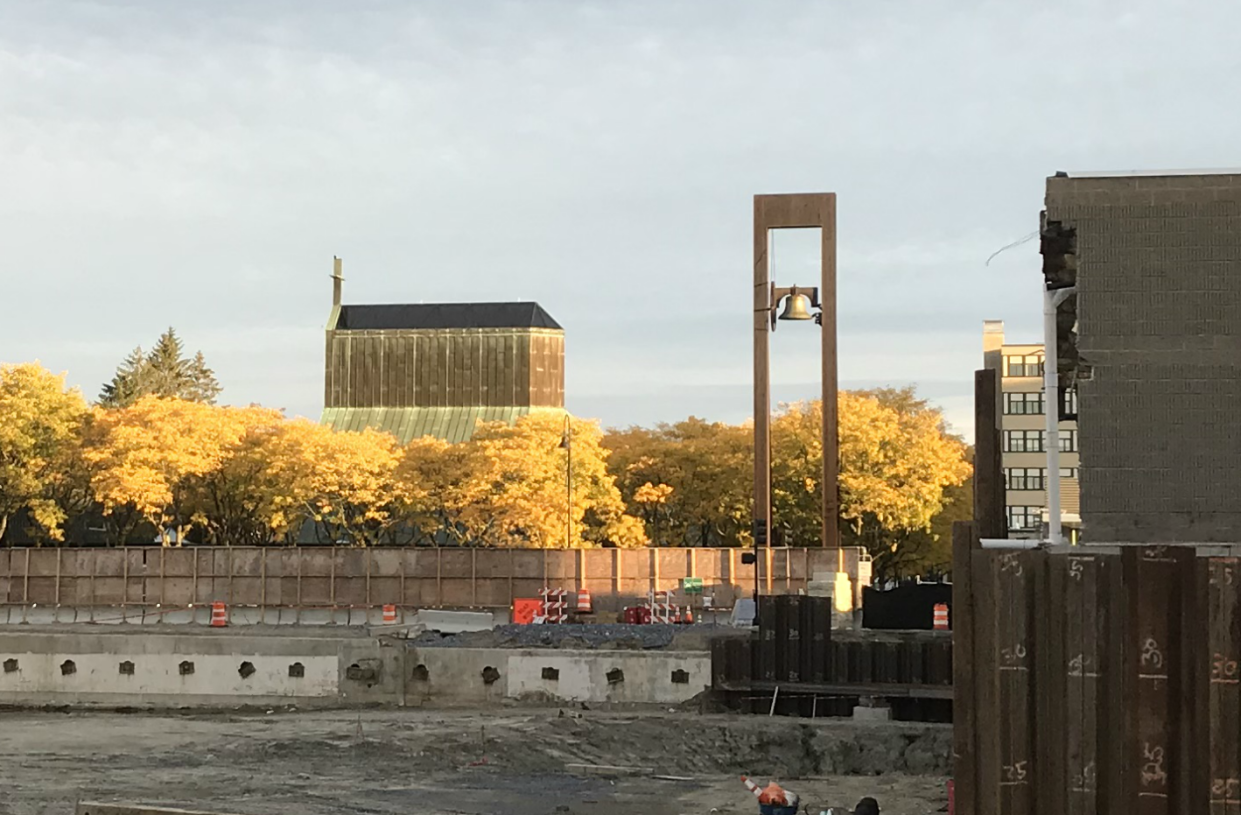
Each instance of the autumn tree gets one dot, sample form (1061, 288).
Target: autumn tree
(652, 502)
(438, 486)
(706, 469)
(151, 458)
(346, 483)
(246, 499)
(165, 371)
(40, 429)
(896, 461)
(523, 492)
(929, 551)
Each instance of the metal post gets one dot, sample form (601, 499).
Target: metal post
(568, 481)
(830, 429)
(762, 380)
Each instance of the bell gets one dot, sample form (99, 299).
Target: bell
(797, 307)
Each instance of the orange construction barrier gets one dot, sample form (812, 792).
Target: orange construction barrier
(941, 617)
(389, 615)
(583, 602)
(219, 615)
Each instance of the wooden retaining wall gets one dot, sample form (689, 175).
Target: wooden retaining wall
(335, 577)
(1097, 680)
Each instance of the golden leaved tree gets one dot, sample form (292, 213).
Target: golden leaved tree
(522, 499)
(246, 500)
(690, 481)
(345, 482)
(896, 461)
(41, 423)
(150, 460)
(437, 487)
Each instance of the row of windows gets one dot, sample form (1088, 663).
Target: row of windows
(1025, 518)
(1035, 441)
(1028, 365)
(1032, 478)
(1032, 404)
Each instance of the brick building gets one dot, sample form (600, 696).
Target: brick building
(1021, 412)
(1152, 342)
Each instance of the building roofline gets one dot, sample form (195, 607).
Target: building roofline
(1144, 173)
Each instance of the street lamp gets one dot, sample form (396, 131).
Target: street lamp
(797, 211)
(566, 444)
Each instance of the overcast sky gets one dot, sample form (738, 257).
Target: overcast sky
(198, 164)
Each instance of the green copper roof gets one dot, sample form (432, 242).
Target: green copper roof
(452, 424)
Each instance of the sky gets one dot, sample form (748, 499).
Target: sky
(199, 164)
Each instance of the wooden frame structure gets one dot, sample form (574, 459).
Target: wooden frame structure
(795, 211)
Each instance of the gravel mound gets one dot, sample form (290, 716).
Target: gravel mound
(612, 636)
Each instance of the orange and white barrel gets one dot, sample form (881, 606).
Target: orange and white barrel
(584, 605)
(219, 615)
(940, 619)
(389, 615)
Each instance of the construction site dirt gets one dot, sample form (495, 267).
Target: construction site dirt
(517, 761)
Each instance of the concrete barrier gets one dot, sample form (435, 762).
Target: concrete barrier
(474, 676)
(125, 666)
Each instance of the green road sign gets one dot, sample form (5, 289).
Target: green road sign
(691, 585)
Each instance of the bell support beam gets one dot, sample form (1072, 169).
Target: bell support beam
(796, 211)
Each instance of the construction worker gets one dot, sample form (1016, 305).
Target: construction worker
(867, 806)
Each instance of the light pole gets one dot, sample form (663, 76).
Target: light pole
(797, 211)
(566, 442)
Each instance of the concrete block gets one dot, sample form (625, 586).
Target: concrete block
(167, 669)
(872, 714)
(454, 622)
(240, 615)
(181, 616)
(40, 615)
(315, 616)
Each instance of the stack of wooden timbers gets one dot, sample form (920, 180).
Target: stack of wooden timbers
(1097, 679)
(794, 664)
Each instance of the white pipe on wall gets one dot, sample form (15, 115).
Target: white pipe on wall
(1052, 298)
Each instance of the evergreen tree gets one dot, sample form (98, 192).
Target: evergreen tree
(203, 386)
(128, 383)
(164, 372)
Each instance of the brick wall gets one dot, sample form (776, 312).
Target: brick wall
(1159, 328)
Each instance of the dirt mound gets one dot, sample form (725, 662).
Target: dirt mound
(678, 743)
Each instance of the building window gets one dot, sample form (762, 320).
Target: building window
(1027, 365)
(1023, 404)
(1023, 441)
(1025, 518)
(1068, 398)
(1025, 478)
(1068, 441)
(1068, 472)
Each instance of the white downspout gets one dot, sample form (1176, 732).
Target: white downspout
(1052, 298)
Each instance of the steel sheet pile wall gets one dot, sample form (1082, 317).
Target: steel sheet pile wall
(794, 656)
(1098, 680)
(338, 577)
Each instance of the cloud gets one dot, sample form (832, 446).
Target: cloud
(199, 165)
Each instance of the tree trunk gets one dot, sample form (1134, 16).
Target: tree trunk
(4, 526)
